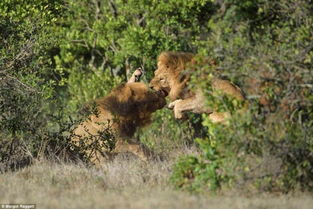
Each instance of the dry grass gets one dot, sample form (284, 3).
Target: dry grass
(124, 183)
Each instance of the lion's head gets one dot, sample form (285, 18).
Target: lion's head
(132, 105)
(169, 77)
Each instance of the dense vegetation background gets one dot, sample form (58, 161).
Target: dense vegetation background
(57, 55)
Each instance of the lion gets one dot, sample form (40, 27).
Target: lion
(117, 117)
(171, 78)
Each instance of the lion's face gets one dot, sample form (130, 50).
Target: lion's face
(169, 77)
(162, 81)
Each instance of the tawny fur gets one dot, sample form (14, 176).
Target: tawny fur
(128, 107)
(171, 76)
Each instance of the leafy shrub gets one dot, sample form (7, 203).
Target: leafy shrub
(269, 148)
(28, 82)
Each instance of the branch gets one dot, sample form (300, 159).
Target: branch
(22, 84)
(97, 10)
(24, 53)
(141, 20)
(113, 8)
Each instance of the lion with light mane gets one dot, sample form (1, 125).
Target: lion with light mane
(118, 115)
(171, 78)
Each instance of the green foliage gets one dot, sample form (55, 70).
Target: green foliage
(268, 54)
(166, 132)
(28, 83)
(199, 173)
(102, 41)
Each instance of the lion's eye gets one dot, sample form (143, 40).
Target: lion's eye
(162, 79)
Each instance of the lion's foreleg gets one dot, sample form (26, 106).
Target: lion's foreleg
(193, 104)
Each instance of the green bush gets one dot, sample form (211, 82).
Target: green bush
(267, 51)
(29, 108)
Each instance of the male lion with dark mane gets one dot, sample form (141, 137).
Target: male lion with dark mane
(171, 78)
(118, 115)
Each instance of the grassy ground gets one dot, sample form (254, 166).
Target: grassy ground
(125, 182)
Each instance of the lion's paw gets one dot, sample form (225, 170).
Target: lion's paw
(178, 114)
(177, 108)
(172, 104)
